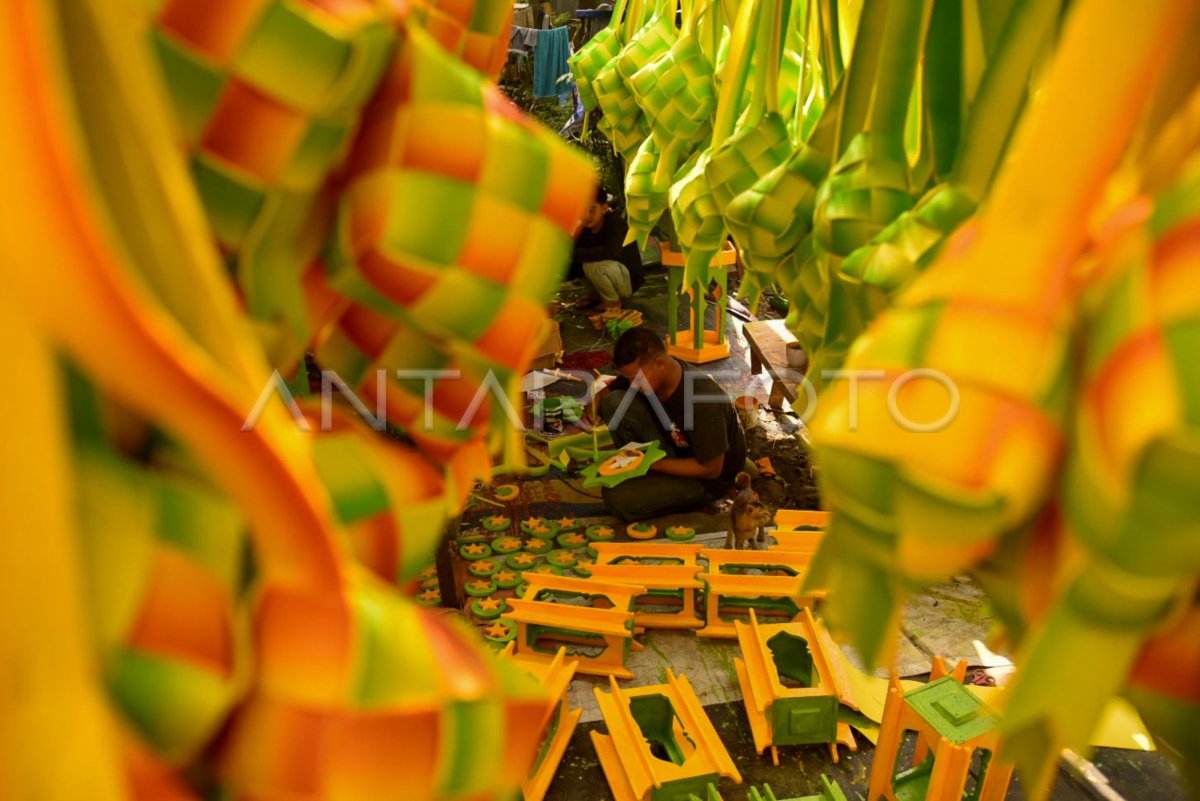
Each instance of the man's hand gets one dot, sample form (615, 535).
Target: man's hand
(691, 468)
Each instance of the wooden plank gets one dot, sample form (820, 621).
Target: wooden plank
(768, 341)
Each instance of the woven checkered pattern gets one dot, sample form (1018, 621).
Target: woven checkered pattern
(769, 219)
(865, 191)
(595, 55)
(267, 94)
(697, 218)
(678, 94)
(476, 31)
(901, 250)
(372, 697)
(911, 508)
(366, 344)
(645, 195)
(168, 606)
(1131, 488)
(1139, 413)
(457, 213)
(750, 153)
(624, 122)
(652, 42)
(390, 499)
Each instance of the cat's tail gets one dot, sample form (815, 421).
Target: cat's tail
(742, 481)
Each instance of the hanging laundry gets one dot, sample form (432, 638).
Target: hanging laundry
(550, 63)
(523, 40)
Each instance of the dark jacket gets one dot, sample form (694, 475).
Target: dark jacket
(607, 243)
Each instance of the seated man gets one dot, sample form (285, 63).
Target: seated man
(601, 257)
(705, 448)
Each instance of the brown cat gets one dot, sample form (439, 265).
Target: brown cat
(748, 516)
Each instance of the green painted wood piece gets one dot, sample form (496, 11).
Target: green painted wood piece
(592, 477)
(952, 710)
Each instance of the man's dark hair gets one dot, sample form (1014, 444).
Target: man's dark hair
(601, 195)
(636, 345)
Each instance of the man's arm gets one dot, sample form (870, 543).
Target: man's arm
(691, 468)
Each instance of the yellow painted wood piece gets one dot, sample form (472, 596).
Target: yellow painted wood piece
(633, 772)
(654, 577)
(607, 552)
(805, 542)
(710, 352)
(675, 258)
(725, 585)
(610, 763)
(799, 530)
(613, 625)
(555, 679)
(793, 519)
(762, 685)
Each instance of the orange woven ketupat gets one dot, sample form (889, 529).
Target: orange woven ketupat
(477, 31)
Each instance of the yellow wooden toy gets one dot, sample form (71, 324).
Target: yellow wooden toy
(952, 726)
(805, 710)
(542, 620)
(560, 720)
(667, 571)
(775, 587)
(664, 719)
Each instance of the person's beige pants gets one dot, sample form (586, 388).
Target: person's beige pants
(609, 278)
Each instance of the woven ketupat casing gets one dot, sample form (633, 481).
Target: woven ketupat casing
(367, 349)
(677, 92)
(391, 500)
(895, 256)
(1140, 403)
(457, 211)
(769, 219)
(865, 191)
(267, 94)
(476, 31)
(697, 218)
(167, 599)
(367, 696)
(751, 152)
(911, 507)
(645, 196)
(599, 51)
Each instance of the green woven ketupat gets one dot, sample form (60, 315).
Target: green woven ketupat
(871, 182)
(698, 221)
(267, 104)
(898, 253)
(864, 192)
(769, 219)
(694, 209)
(652, 41)
(1131, 500)
(597, 53)
(761, 141)
(678, 93)
(645, 193)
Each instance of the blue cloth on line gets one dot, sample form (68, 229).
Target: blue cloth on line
(550, 63)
